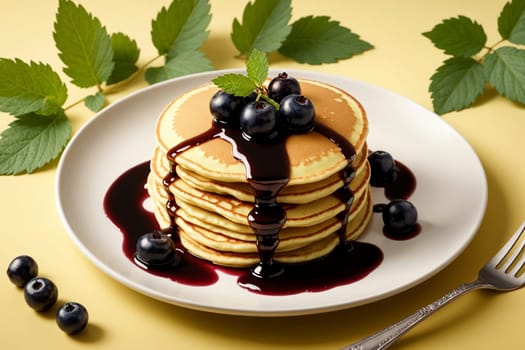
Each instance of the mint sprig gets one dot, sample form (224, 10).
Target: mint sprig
(244, 85)
(312, 39)
(473, 65)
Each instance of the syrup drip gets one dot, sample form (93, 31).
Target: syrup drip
(344, 194)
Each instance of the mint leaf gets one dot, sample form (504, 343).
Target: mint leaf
(511, 22)
(317, 40)
(31, 141)
(26, 88)
(235, 84)
(182, 64)
(125, 55)
(264, 26)
(456, 84)
(458, 36)
(505, 71)
(257, 67)
(84, 45)
(95, 102)
(181, 27)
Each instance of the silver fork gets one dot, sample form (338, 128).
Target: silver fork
(502, 273)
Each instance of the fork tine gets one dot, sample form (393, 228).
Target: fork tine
(516, 270)
(508, 247)
(512, 259)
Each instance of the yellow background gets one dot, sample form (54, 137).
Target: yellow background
(402, 61)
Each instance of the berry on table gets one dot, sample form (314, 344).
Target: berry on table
(40, 293)
(72, 317)
(297, 113)
(21, 270)
(156, 249)
(283, 85)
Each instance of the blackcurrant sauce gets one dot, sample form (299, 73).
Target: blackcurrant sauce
(403, 185)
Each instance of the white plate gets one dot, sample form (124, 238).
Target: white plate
(451, 197)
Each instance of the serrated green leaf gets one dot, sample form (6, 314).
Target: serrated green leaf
(264, 26)
(182, 64)
(31, 141)
(318, 40)
(181, 27)
(95, 102)
(257, 67)
(84, 45)
(456, 84)
(458, 36)
(511, 22)
(125, 55)
(505, 71)
(235, 84)
(27, 88)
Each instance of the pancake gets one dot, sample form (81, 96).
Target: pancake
(215, 252)
(294, 194)
(209, 197)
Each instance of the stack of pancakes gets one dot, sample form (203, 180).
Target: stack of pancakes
(214, 197)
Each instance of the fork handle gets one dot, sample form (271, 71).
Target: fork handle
(383, 339)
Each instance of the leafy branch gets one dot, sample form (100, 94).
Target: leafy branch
(473, 64)
(34, 94)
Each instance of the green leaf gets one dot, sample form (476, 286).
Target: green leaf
(125, 55)
(182, 64)
(317, 40)
(26, 88)
(31, 141)
(181, 27)
(84, 45)
(511, 22)
(505, 71)
(457, 84)
(95, 102)
(235, 84)
(257, 67)
(264, 26)
(458, 36)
